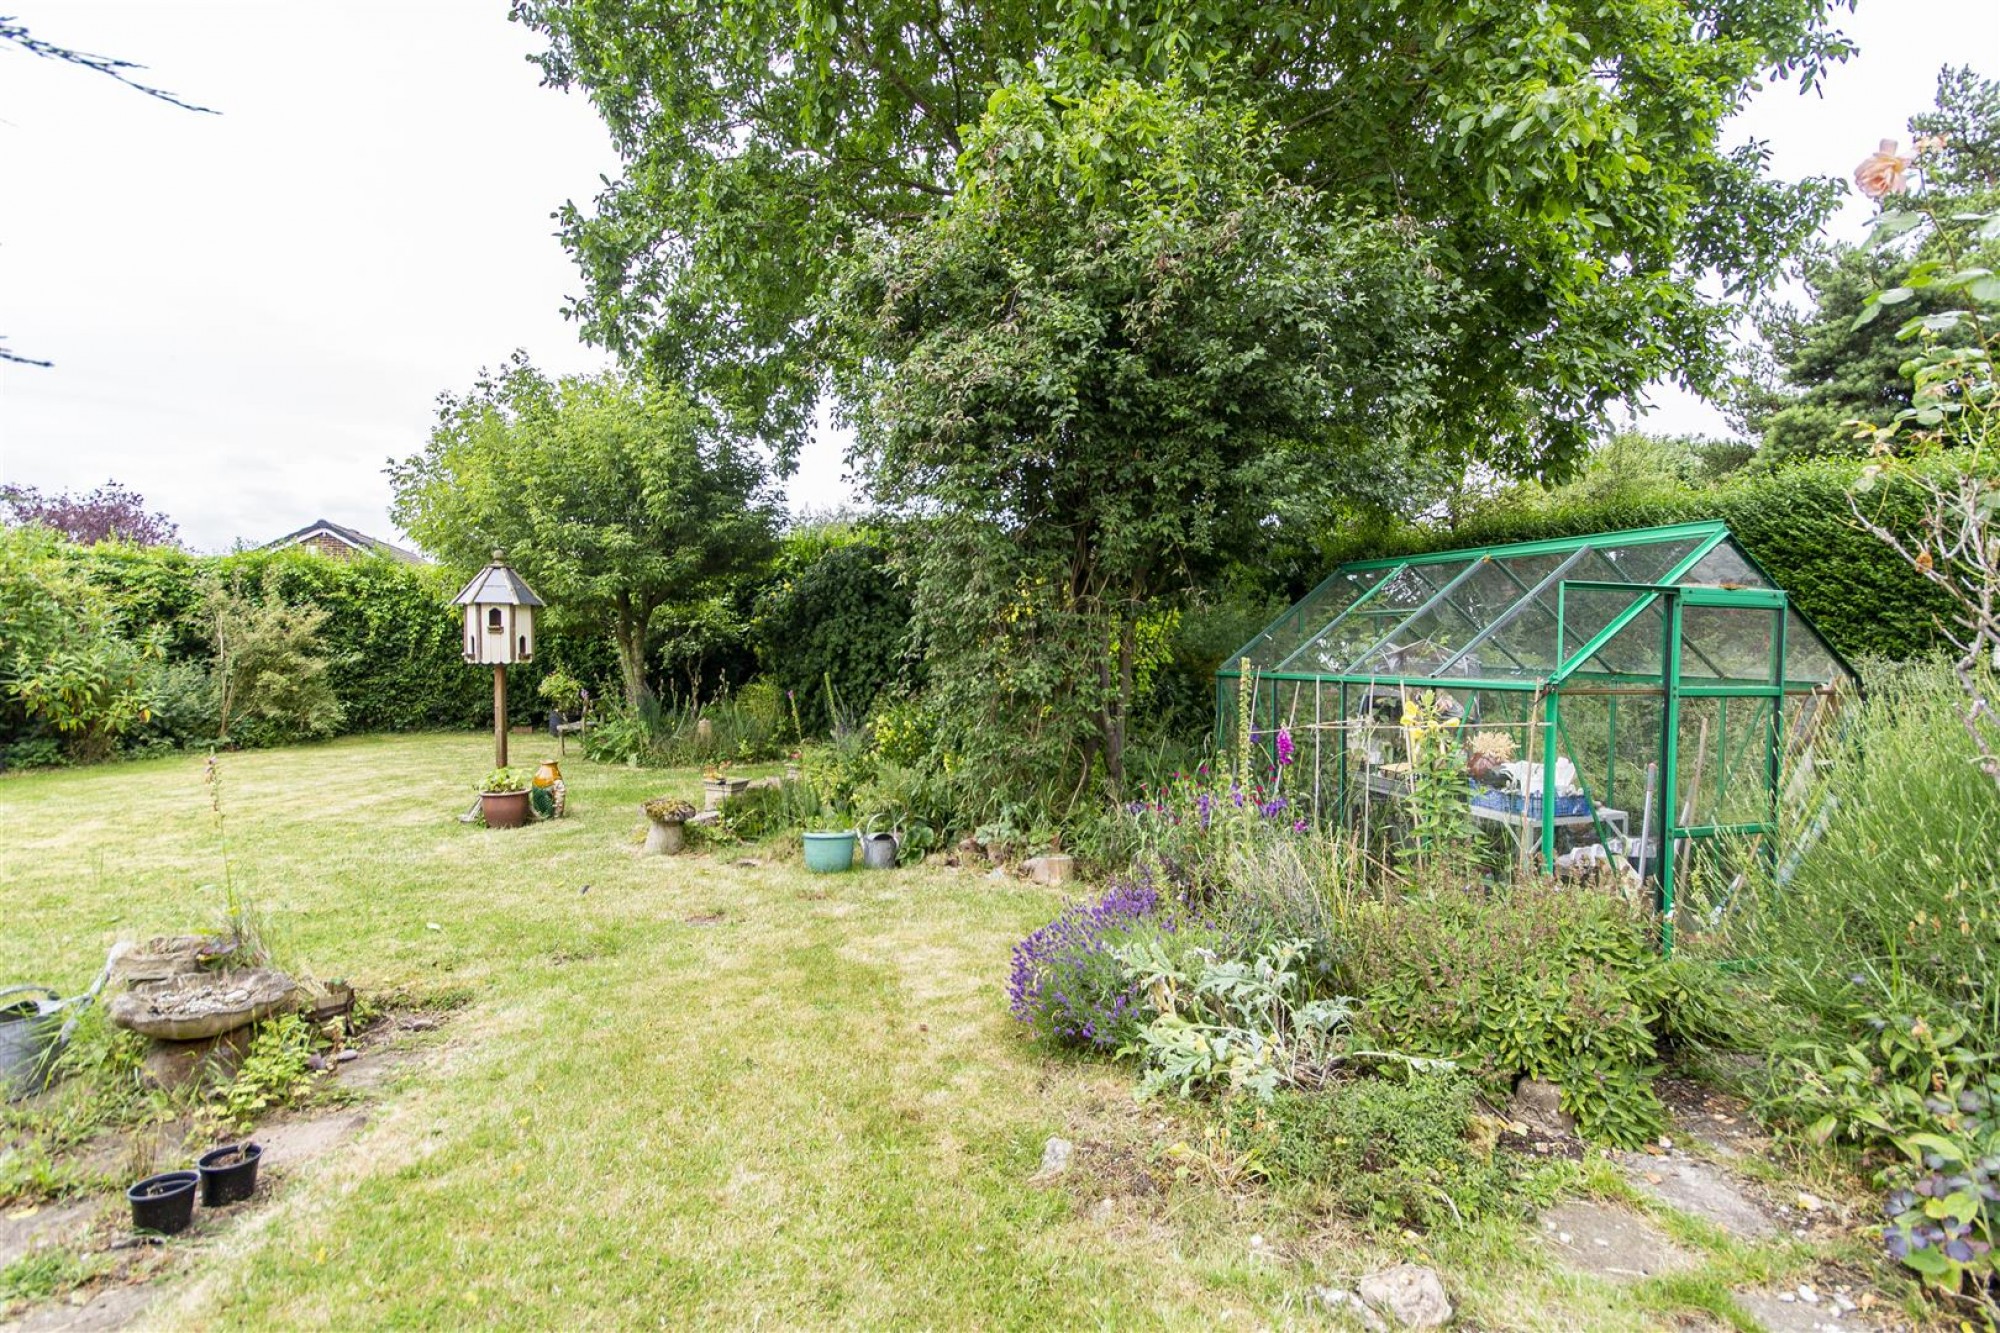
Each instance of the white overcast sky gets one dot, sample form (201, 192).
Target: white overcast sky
(251, 312)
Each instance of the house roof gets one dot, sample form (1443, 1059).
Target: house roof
(360, 541)
(497, 583)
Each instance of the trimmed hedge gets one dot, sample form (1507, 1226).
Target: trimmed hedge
(391, 631)
(1795, 522)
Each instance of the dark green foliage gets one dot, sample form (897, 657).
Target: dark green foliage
(391, 640)
(1540, 980)
(1394, 1152)
(1794, 522)
(1081, 381)
(835, 614)
(1587, 217)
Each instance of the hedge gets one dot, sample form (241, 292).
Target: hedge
(391, 631)
(1795, 522)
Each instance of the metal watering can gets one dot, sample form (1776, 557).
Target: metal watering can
(33, 1032)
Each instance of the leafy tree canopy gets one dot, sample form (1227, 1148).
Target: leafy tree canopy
(1083, 379)
(111, 513)
(1563, 163)
(1818, 367)
(617, 499)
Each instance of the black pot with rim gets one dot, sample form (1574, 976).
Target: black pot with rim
(164, 1203)
(229, 1174)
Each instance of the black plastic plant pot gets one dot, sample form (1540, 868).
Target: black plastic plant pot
(164, 1203)
(229, 1174)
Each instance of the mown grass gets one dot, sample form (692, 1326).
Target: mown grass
(700, 1093)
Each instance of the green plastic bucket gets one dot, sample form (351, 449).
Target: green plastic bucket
(829, 853)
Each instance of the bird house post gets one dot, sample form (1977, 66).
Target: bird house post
(499, 629)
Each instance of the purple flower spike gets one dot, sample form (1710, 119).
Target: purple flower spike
(1286, 750)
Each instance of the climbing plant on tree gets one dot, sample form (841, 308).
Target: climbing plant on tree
(615, 497)
(1085, 376)
(1565, 161)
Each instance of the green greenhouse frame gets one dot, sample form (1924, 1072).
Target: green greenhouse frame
(1602, 660)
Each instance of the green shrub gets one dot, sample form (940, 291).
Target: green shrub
(674, 735)
(271, 675)
(834, 613)
(1556, 983)
(1229, 1019)
(910, 802)
(1396, 1152)
(71, 666)
(762, 812)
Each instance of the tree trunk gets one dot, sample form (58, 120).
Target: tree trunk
(630, 631)
(1121, 706)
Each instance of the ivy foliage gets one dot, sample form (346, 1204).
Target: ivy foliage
(1567, 161)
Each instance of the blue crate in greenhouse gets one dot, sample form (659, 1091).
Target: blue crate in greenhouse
(1514, 803)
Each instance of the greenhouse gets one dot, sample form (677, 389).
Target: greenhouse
(1627, 706)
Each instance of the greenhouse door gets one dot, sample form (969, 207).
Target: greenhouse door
(1721, 746)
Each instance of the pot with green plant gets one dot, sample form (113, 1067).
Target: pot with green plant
(666, 832)
(503, 797)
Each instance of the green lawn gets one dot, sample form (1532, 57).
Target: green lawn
(813, 1110)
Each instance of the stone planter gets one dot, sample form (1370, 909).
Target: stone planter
(714, 791)
(666, 826)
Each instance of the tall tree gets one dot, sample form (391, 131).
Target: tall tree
(1565, 161)
(1819, 366)
(615, 497)
(111, 513)
(1090, 373)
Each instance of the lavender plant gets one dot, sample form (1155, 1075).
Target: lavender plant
(1067, 982)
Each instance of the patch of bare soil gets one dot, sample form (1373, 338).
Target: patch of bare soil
(106, 1308)
(30, 1227)
(1719, 1122)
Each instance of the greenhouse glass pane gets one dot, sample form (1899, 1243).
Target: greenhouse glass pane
(1725, 567)
(1459, 617)
(1727, 643)
(1335, 648)
(1640, 562)
(1310, 616)
(1633, 651)
(1806, 655)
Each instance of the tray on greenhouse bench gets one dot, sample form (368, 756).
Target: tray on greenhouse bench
(1522, 803)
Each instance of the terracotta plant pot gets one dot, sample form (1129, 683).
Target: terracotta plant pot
(504, 809)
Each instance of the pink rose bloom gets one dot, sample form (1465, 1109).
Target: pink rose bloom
(1884, 172)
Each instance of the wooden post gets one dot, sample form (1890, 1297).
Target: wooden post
(499, 716)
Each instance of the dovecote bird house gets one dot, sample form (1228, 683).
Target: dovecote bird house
(499, 615)
(499, 630)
